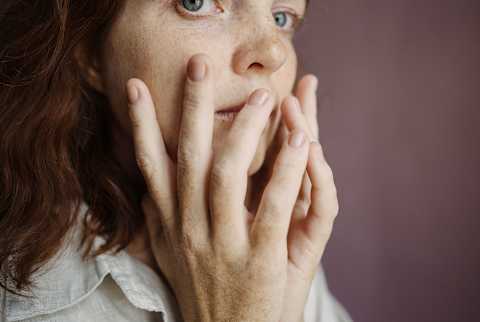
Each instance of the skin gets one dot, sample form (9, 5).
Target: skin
(153, 41)
(223, 262)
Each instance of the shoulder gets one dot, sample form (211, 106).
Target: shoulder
(53, 285)
(109, 287)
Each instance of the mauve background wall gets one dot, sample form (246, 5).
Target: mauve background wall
(400, 124)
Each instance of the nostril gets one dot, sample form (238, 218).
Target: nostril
(255, 65)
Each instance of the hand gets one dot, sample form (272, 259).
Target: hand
(222, 262)
(304, 255)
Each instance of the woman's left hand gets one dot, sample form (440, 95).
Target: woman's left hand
(314, 204)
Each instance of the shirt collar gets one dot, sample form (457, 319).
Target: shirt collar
(68, 279)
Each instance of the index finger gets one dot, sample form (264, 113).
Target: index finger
(195, 141)
(151, 154)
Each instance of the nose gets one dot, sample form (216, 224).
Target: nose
(260, 52)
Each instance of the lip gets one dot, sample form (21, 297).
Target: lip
(233, 109)
(228, 114)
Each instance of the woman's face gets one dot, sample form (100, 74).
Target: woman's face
(249, 43)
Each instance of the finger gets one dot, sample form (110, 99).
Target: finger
(306, 92)
(324, 207)
(273, 217)
(195, 143)
(159, 239)
(280, 136)
(294, 117)
(303, 199)
(231, 164)
(155, 230)
(151, 155)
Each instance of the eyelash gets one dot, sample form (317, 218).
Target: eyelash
(297, 19)
(185, 13)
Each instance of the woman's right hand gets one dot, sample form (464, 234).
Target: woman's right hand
(223, 263)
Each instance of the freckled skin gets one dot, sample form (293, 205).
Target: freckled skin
(152, 41)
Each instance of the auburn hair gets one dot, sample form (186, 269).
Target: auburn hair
(55, 143)
(55, 147)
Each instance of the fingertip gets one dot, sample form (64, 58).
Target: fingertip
(138, 89)
(313, 80)
(133, 93)
(198, 67)
(259, 97)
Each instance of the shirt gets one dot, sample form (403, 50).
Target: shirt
(118, 287)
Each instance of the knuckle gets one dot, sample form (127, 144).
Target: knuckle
(185, 157)
(311, 252)
(263, 239)
(192, 99)
(301, 207)
(146, 164)
(328, 229)
(245, 122)
(267, 264)
(228, 253)
(334, 191)
(324, 233)
(290, 163)
(335, 210)
(189, 242)
(221, 174)
(272, 203)
(326, 170)
(282, 185)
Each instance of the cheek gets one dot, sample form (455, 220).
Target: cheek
(284, 78)
(158, 55)
(159, 61)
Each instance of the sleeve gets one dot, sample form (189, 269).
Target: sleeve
(321, 305)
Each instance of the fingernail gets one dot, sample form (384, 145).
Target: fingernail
(196, 69)
(259, 97)
(296, 139)
(132, 93)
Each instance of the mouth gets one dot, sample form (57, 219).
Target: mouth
(228, 114)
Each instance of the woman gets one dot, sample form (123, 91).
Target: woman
(155, 166)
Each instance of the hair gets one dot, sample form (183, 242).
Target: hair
(55, 147)
(55, 144)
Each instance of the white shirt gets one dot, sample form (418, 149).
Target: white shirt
(116, 288)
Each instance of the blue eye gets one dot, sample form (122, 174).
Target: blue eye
(199, 8)
(192, 5)
(287, 20)
(280, 18)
